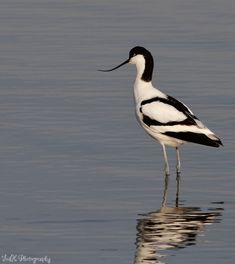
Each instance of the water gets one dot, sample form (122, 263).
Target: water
(80, 180)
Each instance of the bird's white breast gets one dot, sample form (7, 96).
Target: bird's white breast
(145, 90)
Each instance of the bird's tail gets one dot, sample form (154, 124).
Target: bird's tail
(216, 141)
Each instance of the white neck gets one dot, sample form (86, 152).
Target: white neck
(140, 66)
(142, 89)
(145, 90)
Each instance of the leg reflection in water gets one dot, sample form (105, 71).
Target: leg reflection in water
(170, 228)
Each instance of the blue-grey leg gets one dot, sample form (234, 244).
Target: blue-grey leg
(167, 169)
(177, 189)
(178, 165)
(164, 199)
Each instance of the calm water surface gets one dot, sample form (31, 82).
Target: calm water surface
(80, 181)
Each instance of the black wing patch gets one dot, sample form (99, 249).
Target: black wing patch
(170, 101)
(151, 122)
(198, 138)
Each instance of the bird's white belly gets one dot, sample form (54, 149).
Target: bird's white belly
(163, 139)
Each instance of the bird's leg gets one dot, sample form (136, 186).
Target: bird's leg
(167, 169)
(164, 199)
(178, 165)
(177, 189)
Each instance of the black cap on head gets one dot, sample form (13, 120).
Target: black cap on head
(138, 50)
(149, 64)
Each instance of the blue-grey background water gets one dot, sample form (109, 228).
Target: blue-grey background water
(78, 175)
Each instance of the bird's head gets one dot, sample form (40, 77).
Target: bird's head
(143, 60)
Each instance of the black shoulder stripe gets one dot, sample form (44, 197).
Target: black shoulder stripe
(178, 105)
(198, 138)
(149, 101)
(170, 101)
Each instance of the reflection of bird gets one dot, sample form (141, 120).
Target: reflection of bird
(163, 117)
(169, 228)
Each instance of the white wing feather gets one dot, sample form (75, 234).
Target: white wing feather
(162, 112)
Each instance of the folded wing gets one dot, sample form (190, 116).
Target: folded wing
(170, 117)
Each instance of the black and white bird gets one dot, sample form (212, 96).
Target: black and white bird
(163, 117)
